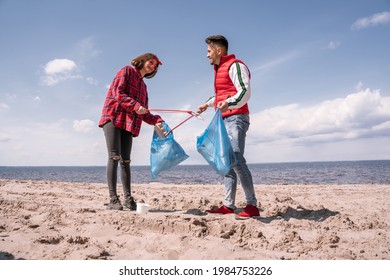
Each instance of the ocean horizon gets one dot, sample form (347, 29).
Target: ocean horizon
(315, 172)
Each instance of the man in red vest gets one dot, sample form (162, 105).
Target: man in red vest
(232, 92)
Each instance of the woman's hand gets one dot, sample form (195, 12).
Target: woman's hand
(141, 110)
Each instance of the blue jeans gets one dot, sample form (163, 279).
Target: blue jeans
(237, 126)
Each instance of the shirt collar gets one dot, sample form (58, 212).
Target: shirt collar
(139, 73)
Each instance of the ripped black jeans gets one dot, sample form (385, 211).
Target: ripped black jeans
(119, 143)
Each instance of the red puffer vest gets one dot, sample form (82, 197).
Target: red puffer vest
(224, 87)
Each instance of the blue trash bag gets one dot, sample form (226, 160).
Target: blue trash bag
(215, 146)
(165, 153)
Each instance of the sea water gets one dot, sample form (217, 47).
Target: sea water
(335, 172)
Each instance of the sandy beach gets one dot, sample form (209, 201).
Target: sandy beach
(44, 220)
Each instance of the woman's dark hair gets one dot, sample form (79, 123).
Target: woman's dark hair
(139, 63)
(218, 40)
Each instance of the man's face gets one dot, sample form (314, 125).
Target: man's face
(214, 54)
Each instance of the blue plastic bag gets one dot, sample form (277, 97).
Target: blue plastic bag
(165, 153)
(215, 146)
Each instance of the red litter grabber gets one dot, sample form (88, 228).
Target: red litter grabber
(193, 114)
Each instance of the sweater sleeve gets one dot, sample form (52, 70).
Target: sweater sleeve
(210, 101)
(239, 74)
(152, 119)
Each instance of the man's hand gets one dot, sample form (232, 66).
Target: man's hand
(202, 108)
(223, 106)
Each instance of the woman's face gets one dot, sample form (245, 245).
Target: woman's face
(150, 66)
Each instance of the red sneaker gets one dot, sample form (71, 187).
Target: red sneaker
(249, 211)
(221, 210)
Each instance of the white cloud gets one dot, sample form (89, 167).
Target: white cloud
(332, 45)
(277, 61)
(57, 66)
(4, 106)
(374, 20)
(51, 80)
(5, 138)
(92, 81)
(58, 70)
(359, 115)
(84, 126)
(11, 96)
(86, 48)
(385, 126)
(50, 143)
(359, 86)
(356, 126)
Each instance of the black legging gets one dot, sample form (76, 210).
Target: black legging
(119, 143)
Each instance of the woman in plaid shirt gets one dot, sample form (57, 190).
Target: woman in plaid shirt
(125, 107)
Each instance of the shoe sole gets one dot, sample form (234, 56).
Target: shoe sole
(219, 213)
(246, 218)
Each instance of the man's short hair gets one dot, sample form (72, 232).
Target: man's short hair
(218, 40)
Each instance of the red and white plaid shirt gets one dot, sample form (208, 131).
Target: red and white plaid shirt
(127, 93)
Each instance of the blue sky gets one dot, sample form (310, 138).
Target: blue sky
(320, 75)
